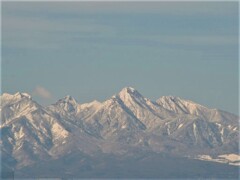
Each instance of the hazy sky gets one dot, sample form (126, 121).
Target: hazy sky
(92, 50)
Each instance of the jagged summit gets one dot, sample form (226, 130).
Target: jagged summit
(125, 94)
(23, 98)
(67, 99)
(22, 95)
(128, 89)
(179, 105)
(17, 95)
(68, 104)
(129, 93)
(170, 97)
(6, 95)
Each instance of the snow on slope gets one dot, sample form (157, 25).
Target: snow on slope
(231, 159)
(144, 109)
(127, 120)
(180, 106)
(13, 106)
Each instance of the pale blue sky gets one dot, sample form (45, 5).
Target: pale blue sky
(92, 50)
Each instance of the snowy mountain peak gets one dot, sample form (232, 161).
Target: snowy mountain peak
(179, 105)
(17, 95)
(6, 95)
(129, 92)
(175, 99)
(128, 89)
(22, 95)
(169, 98)
(68, 99)
(7, 98)
(68, 103)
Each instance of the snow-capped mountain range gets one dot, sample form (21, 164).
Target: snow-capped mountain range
(124, 124)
